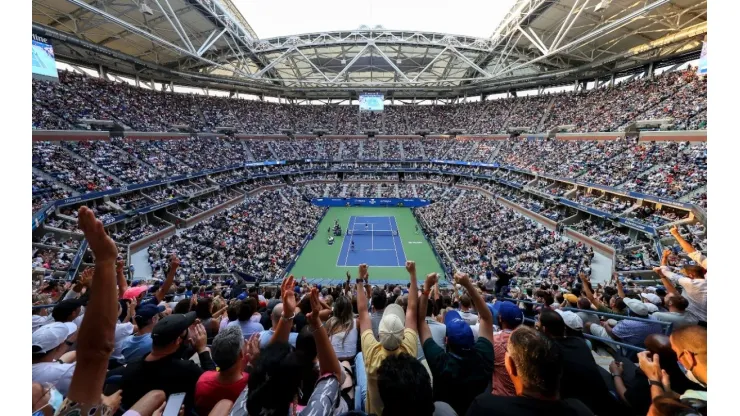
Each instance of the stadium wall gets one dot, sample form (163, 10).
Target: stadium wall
(674, 136)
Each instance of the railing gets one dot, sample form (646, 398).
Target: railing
(667, 325)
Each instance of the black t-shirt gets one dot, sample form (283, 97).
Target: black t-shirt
(170, 374)
(487, 404)
(459, 378)
(582, 379)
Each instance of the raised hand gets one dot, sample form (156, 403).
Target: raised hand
(430, 281)
(313, 317)
(650, 365)
(252, 347)
(119, 266)
(462, 279)
(674, 231)
(411, 267)
(198, 337)
(100, 243)
(174, 262)
(363, 271)
(287, 292)
(86, 276)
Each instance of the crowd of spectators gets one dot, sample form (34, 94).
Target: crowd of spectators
(380, 349)
(679, 95)
(258, 237)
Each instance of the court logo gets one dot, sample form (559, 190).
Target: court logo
(372, 202)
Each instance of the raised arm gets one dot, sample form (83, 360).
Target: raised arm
(421, 323)
(620, 288)
(96, 336)
(120, 279)
(364, 315)
(287, 291)
(664, 258)
(328, 362)
(174, 264)
(669, 286)
(587, 291)
(685, 246)
(486, 318)
(411, 308)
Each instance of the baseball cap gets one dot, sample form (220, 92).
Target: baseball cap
(459, 333)
(571, 320)
(134, 292)
(571, 298)
(145, 313)
(38, 321)
(637, 307)
(652, 298)
(510, 313)
(169, 328)
(65, 308)
(51, 336)
(392, 325)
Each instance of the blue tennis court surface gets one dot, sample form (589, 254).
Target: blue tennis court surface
(377, 243)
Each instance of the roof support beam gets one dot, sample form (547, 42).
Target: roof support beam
(210, 41)
(350, 63)
(390, 62)
(148, 35)
(590, 36)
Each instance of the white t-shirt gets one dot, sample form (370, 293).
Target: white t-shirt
(469, 317)
(122, 332)
(58, 375)
(345, 343)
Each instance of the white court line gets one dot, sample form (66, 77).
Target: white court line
(398, 233)
(344, 240)
(372, 236)
(398, 262)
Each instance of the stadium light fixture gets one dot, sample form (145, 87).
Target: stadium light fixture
(145, 9)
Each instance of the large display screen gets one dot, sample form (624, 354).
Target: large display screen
(371, 102)
(702, 69)
(44, 64)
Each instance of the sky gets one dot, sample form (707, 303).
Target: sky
(270, 18)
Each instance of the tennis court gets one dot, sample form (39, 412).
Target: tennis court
(376, 243)
(384, 252)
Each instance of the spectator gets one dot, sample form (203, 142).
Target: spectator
(342, 330)
(248, 327)
(465, 369)
(230, 354)
(397, 334)
(535, 366)
(50, 363)
(405, 387)
(627, 330)
(140, 344)
(510, 317)
(379, 301)
(164, 368)
(266, 336)
(582, 378)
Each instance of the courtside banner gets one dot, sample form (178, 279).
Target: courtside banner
(371, 202)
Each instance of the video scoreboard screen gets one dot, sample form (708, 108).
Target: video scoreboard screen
(44, 65)
(371, 101)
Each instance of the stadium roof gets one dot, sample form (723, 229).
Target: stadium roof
(210, 43)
